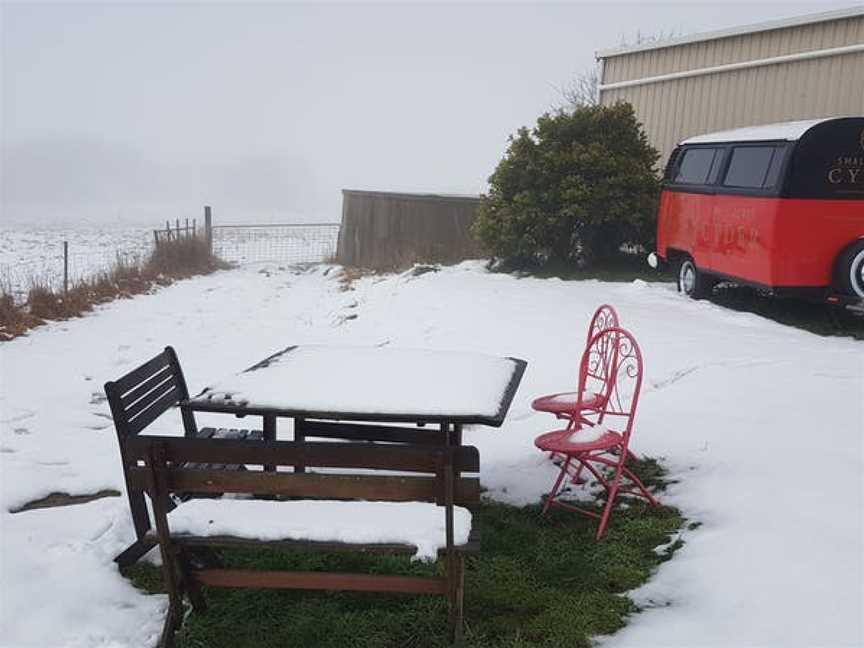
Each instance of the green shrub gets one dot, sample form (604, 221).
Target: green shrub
(572, 191)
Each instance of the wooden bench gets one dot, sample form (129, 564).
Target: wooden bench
(168, 465)
(136, 401)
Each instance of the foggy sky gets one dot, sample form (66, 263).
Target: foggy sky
(141, 112)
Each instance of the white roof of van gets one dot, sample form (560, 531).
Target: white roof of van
(789, 131)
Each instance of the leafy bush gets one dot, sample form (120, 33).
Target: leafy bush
(572, 191)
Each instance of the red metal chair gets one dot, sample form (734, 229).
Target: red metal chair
(601, 437)
(566, 405)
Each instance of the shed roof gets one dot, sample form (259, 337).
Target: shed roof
(808, 19)
(410, 195)
(790, 131)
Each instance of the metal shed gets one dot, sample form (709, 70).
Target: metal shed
(800, 68)
(389, 230)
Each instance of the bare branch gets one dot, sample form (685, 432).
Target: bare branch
(583, 90)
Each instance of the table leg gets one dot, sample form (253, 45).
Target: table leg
(457, 434)
(299, 437)
(455, 438)
(269, 433)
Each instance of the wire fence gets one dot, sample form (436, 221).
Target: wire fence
(60, 264)
(53, 260)
(283, 243)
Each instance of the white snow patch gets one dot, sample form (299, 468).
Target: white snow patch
(588, 434)
(730, 402)
(376, 380)
(414, 523)
(59, 585)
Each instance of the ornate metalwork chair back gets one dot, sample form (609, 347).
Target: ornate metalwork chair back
(613, 362)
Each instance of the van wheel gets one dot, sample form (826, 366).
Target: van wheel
(693, 282)
(849, 270)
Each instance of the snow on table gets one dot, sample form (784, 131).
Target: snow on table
(412, 523)
(373, 381)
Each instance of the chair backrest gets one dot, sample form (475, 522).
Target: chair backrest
(433, 468)
(599, 372)
(145, 393)
(604, 317)
(614, 355)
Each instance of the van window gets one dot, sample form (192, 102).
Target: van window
(754, 167)
(698, 166)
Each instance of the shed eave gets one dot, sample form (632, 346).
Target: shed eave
(808, 19)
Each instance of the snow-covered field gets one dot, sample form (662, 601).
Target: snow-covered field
(30, 254)
(761, 425)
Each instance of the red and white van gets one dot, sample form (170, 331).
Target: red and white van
(779, 207)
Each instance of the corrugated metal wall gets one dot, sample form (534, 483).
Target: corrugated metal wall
(675, 109)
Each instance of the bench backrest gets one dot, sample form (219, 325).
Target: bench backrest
(145, 393)
(435, 472)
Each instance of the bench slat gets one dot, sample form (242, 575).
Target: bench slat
(472, 546)
(156, 409)
(320, 581)
(141, 373)
(141, 390)
(390, 488)
(151, 398)
(396, 457)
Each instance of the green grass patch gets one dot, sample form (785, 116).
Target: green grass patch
(538, 581)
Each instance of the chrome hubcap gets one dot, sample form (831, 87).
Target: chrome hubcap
(688, 277)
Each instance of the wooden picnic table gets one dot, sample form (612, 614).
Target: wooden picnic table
(342, 392)
(358, 394)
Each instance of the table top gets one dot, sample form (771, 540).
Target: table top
(370, 384)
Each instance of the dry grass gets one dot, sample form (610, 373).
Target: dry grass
(170, 261)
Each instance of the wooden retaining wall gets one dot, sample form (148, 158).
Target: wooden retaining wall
(391, 231)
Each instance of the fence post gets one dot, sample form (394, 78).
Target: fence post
(65, 268)
(168, 227)
(186, 230)
(208, 228)
(194, 227)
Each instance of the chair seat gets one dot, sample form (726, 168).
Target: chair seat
(564, 403)
(568, 442)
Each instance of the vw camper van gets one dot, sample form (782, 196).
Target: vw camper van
(779, 207)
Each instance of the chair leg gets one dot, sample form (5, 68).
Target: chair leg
(140, 515)
(610, 501)
(554, 491)
(638, 483)
(577, 478)
(597, 475)
(131, 554)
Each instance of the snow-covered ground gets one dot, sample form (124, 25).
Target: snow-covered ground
(29, 254)
(761, 425)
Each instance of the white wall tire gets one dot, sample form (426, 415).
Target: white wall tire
(692, 281)
(849, 270)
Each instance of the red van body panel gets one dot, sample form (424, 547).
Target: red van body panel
(779, 206)
(813, 233)
(777, 242)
